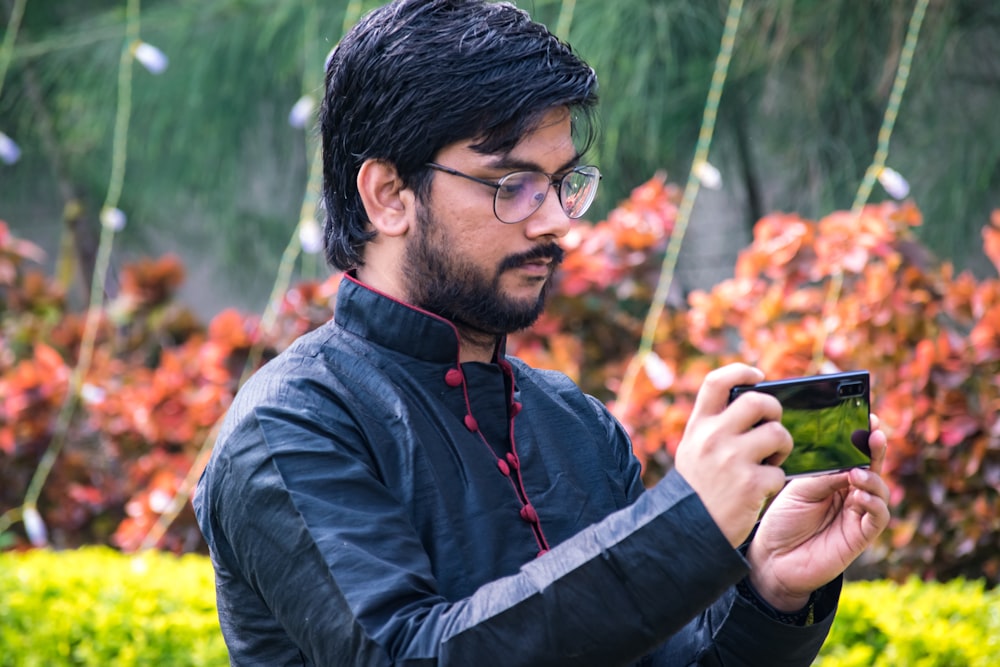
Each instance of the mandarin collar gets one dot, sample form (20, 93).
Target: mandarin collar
(394, 324)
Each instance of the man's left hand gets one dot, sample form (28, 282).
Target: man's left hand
(816, 527)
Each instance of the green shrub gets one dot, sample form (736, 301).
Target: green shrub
(98, 607)
(95, 606)
(915, 624)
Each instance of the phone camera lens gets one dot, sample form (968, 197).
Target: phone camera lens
(850, 389)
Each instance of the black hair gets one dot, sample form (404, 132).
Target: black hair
(417, 75)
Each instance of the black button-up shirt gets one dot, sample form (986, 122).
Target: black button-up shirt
(371, 501)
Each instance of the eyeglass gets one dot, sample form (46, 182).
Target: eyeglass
(521, 193)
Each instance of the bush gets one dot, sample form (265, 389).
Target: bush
(882, 624)
(95, 606)
(158, 382)
(859, 289)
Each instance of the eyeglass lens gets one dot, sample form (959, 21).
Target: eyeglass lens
(521, 193)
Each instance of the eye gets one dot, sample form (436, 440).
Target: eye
(509, 190)
(512, 186)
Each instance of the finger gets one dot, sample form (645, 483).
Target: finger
(869, 482)
(873, 512)
(863, 502)
(713, 396)
(877, 445)
(772, 480)
(753, 408)
(768, 444)
(819, 487)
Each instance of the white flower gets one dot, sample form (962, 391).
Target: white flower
(151, 57)
(9, 151)
(310, 236)
(35, 527)
(301, 112)
(113, 219)
(708, 175)
(91, 394)
(160, 501)
(894, 183)
(658, 372)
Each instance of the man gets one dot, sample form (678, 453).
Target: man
(394, 490)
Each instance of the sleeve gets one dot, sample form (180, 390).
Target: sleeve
(296, 509)
(731, 632)
(330, 551)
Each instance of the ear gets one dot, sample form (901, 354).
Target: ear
(388, 202)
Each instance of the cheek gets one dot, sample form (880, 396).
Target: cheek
(465, 228)
(470, 239)
(482, 252)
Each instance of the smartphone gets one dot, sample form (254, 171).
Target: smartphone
(828, 417)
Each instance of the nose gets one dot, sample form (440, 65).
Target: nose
(549, 220)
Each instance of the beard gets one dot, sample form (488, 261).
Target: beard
(465, 294)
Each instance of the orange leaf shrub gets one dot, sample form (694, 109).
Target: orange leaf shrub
(858, 288)
(158, 382)
(864, 293)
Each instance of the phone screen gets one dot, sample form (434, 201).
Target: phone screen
(828, 418)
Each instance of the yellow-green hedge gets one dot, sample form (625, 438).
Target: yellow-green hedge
(882, 624)
(97, 607)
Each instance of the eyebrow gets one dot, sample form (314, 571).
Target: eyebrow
(507, 162)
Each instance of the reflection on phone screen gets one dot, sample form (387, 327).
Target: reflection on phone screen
(828, 418)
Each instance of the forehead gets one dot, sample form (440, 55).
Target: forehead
(548, 139)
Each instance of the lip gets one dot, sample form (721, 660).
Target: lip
(536, 267)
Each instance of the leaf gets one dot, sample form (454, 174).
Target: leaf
(991, 240)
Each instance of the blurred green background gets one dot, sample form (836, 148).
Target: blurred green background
(216, 173)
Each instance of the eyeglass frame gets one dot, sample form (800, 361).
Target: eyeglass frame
(556, 183)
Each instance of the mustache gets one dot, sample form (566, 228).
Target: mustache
(549, 251)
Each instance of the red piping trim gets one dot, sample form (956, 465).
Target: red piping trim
(356, 281)
(518, 485)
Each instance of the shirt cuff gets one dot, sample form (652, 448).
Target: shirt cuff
(802, 618)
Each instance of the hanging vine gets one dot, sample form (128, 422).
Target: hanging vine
(698, 165)
(286, 268)
(112, 219)
(877, 169)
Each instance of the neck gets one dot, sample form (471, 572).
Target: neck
(476, 345)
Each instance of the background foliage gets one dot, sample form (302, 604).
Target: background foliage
(96, 607)
(219, 167)
(217, 175)
(845, 292)
(883, 624)
(929, 336)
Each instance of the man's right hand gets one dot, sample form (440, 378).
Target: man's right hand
(730, 461)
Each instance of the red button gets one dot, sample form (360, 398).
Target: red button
(514, 462)
(453, 378)
(504, 468)
(471, 423)
(529, 514)
(515, 409)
